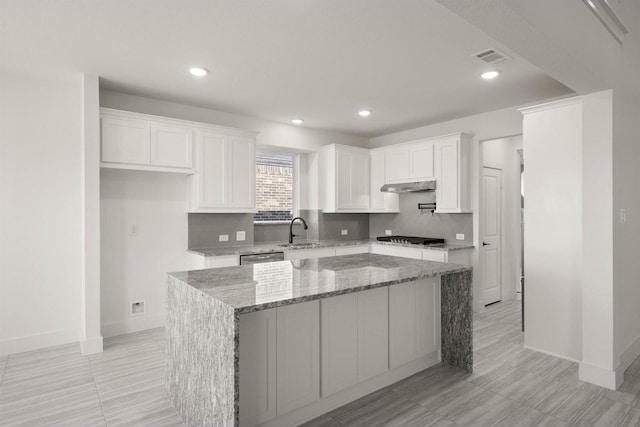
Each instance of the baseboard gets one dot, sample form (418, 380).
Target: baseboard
(551, 354)
(133, 324)
(602, 377)
(328, 403)
(629, 355)
(35, 342)
(91, 346)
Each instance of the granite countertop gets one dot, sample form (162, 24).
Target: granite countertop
(256, 287)
(312, 244)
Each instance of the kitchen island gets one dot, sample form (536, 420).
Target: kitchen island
(280, 343)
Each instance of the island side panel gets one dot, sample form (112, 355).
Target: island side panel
(457, 319)
(201, 357)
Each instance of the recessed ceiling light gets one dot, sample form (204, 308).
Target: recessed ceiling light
(490, 75)
(364, 113)
(198, 71)
(297, 121)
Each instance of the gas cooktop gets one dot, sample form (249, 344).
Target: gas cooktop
(413, 240)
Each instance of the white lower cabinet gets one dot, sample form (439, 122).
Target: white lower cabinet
(299, 360)
(351, 250)
(401, 251)
(298, 356)
(373, 333)
(413, 320)
(310, 253)
(339, 338)
(258, 367)
(354, 338)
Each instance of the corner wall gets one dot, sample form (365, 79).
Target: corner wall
(552, 143)
(41, 212)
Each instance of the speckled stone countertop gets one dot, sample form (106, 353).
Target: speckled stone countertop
(314, 244)
(261, 286)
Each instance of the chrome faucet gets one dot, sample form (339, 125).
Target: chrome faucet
(291, 235)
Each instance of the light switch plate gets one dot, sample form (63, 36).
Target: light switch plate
(240, 235)
(344, 232)
(387, 232)
(223, 237)
(459, 236)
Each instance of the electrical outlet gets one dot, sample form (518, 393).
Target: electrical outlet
(387, 232)
(459, 236)
(623, 216)
(344, 232)
(137, 308)
(240, 236)
(223, 238)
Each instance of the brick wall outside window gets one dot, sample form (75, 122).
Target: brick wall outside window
(274, 187)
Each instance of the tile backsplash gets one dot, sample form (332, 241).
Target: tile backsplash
(413, 222)
(205, 229)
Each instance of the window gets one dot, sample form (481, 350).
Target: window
(275, 187)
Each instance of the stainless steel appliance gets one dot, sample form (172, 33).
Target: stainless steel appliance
(409, 187)
(426, 241)
(261, 257)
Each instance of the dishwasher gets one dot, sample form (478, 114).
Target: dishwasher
(261, 257)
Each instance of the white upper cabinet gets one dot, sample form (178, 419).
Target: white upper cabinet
(409, 162)
(452, 163)
(344, 179)
(143, 142)
(380, 202)
(225, 177)
(171, 146)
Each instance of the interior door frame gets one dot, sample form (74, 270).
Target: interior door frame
(496, 166)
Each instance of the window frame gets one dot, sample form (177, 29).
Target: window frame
(295, 205)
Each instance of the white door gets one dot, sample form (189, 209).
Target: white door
(491, 240)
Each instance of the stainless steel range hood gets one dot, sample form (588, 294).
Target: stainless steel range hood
(408, 187)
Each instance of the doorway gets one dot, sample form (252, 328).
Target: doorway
(492, 236)
(500, 220)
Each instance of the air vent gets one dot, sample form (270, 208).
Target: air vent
(491, 56)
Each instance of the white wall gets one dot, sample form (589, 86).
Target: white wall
(40, 212)
(494, 124)
(270, 133)
(552, 141)
(135, 267)
(503, 154)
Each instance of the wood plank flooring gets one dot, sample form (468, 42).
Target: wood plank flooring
(510, 386)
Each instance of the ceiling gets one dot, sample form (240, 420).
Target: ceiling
(410, 62)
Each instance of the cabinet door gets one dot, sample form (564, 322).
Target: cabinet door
(298, 353)
(241, 173)
(310, 253)
(221, 261)
(413, 321)
(397, 165)
(447, 173)
(379, 201)
(400, 251)
(402, 324)
(257, 367)
(421, 161)
(125, 141)
(433, 255)
(339, 338)
(350, 250)
(426, 311)
(212, 170)
(352, 179)
(171, 146)
(373, 333)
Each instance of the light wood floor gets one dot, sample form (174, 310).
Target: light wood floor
(511, 386)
